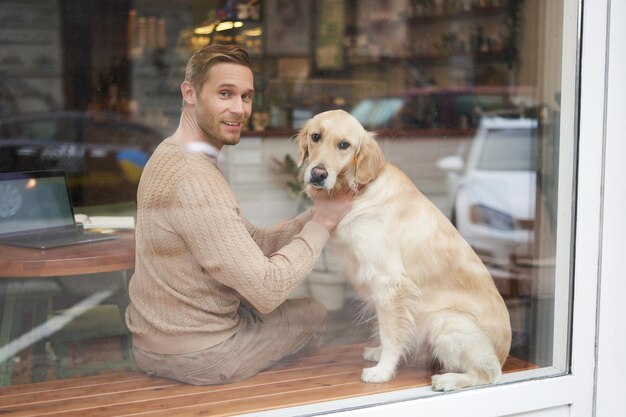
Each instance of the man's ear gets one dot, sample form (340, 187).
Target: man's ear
(303, 143)
(188, 93)
(368, 161)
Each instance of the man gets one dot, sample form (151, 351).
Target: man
(208, 297)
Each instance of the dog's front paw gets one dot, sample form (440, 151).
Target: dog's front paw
(446, 382)
(371, 354)
(377, 374)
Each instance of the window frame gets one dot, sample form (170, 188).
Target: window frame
(593, 121)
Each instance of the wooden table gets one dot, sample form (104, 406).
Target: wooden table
(89, 258)
(27, 272)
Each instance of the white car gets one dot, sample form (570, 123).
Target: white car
(494, 191)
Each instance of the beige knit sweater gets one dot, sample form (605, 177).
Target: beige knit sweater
(197, 257)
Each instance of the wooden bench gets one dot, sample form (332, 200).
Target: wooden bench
(326, 374)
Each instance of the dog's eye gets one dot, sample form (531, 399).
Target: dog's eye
(343, 145)
(316, 137)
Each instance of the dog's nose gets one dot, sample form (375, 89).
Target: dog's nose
(318, 174)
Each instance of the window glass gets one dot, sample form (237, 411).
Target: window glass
(45, 129)
(463, 96)
(508, 150)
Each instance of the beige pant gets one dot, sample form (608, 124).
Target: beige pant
(261, 341)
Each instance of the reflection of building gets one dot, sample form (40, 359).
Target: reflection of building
(281, 17)
(379, 49)
(30, 69)
(308, 57)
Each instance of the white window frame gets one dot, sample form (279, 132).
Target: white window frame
(609, 397)
(598, 337)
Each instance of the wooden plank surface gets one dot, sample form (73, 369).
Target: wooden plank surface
(329, 373)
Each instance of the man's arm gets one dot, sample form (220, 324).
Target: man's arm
(206, 215)
(272, 238)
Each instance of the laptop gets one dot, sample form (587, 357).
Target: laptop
(36, 211)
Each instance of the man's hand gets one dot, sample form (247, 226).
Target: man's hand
(329, 209)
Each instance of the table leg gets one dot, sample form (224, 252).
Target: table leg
(121, 298)
(39, 362)
(11, 317)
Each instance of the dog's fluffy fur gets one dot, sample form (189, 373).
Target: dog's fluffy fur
(430, 292)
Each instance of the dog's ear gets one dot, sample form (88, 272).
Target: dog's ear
(368, 161)
(303, 146)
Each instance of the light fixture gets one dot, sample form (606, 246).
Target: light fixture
(217, 27)
(228, 25)
(253, 32)
(204, 30)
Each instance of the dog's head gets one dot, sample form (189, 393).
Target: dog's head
(339, 152)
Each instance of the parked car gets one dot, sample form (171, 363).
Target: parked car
(435, 108)
(494, 192)
(102, 154)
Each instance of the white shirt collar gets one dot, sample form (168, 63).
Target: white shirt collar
(205, 148)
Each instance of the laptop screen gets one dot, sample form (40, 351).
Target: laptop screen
(31, 201)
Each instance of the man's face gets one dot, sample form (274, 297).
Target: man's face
(224, 103)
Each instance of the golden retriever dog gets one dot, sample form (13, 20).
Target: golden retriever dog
(431, 294)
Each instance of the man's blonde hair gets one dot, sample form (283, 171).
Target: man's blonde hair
(203, 59)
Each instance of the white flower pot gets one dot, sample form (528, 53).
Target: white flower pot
(301, 290)
(329, 288)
